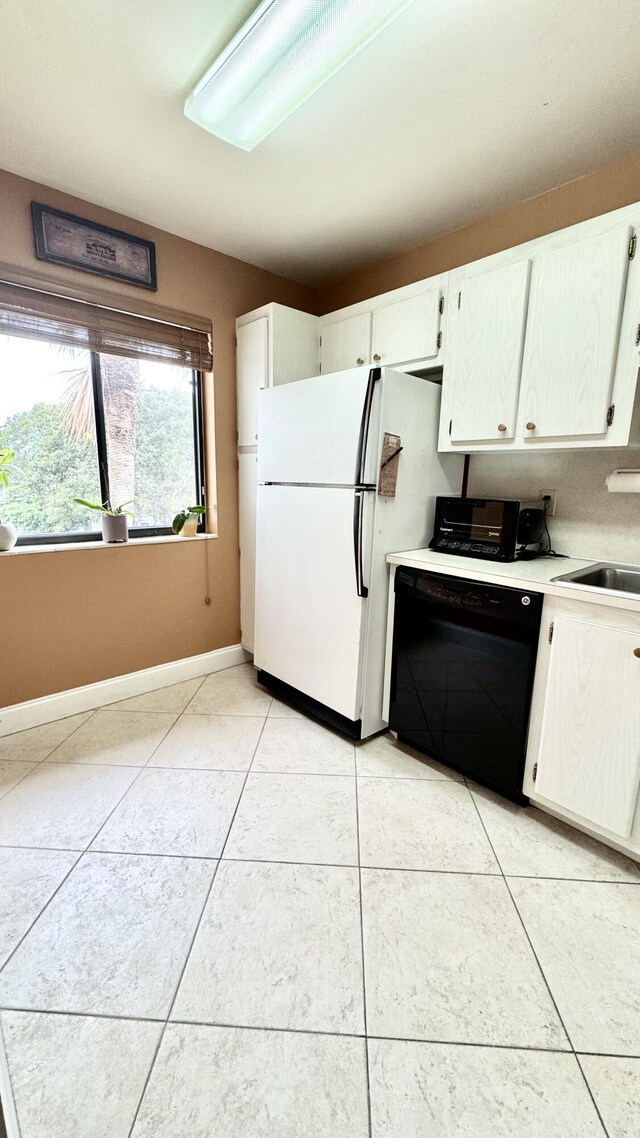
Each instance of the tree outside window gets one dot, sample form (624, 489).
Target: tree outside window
(79, 420)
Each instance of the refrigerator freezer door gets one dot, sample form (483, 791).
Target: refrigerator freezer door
(309, 617)
(310, 431)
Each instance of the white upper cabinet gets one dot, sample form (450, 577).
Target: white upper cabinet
(487, 361)
(588, 755)
(406, 329)
(397, 328)
(346, 343)
(543, 351)
(274, 344)
(252, 370)
(575, 309)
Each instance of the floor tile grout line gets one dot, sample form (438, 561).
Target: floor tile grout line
(198, 923)
(364, 980)
(193, 939)
(217, 770)
(114, 705)
(315, 1031)
(578, 880)
(411, 778)
(45, 906)
(15, 786)
(327, 864)
(524, 928)
(43, 849)
(82, 853)
(205, 677)
(263, 860)
(591, 1094)
(130, 787)
(147, 1079)
(240, 770)
(48, 761)
(170, 728)
(72, 1013)
(215, 872)
(37, 763)
(71, 733)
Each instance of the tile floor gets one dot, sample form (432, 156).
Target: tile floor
(218, 918)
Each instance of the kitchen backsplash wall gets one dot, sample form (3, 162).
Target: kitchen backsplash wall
(589, 521)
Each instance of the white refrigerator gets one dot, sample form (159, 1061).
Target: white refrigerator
(324, 531)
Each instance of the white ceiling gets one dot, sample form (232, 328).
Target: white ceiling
(458, 109)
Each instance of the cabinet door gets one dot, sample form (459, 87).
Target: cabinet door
(346, 343)
(247, 490)
(488, 354)
(407, 329)
(589, 756)
(577, 293)
(252, 373)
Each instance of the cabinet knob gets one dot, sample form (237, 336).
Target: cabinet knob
(636, 652)
(502, 428)
(530, 426)
(377, 359)
(359, 361)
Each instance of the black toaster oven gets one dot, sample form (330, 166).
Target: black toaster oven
(490, 528)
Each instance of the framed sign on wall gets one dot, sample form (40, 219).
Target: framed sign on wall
(69, 240)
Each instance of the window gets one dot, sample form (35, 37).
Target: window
(92, 425)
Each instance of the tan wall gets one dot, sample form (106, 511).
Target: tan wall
(69, 618)
(605, 189)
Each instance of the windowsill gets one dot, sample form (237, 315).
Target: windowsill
(65, 547)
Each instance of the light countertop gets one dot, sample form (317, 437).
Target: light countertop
(535, 575)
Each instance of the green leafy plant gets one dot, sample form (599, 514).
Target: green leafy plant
(107, 508)
(189, 512)
(6, 458)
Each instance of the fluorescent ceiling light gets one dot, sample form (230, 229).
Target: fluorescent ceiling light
(286, 50)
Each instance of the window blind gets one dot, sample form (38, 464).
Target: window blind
(60, 319)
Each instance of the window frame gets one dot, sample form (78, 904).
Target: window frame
(135, 532)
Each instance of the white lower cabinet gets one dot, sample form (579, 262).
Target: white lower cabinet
(583, 757)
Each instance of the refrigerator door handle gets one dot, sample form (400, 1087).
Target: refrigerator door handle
(358, 512)
(361, 454)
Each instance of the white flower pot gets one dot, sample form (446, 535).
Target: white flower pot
(8, 536)
(190, 527)
(115, 527)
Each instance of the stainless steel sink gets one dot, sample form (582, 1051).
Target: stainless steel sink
(607, 576)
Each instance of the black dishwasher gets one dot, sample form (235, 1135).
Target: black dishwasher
(463, 660)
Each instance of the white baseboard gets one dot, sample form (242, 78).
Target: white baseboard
(34, 712)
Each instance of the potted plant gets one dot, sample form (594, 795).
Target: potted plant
(186, 522)
(8, 532)
(114, 519)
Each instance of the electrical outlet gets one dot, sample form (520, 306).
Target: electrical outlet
(553, 494)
